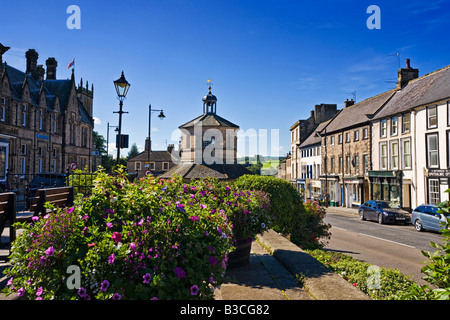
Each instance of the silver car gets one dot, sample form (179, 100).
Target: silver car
(425, 217)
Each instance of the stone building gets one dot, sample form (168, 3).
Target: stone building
(411, 140)
(310, 165)
(45, 123)
(346, 151)
(301, 130)
(156, 162)
(208, 146)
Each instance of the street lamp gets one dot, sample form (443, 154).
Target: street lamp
(122, 87)
(161, 116)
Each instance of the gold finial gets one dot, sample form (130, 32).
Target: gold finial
(209, 84)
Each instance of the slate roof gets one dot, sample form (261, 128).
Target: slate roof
(209, 120)
(163, 156)
(357, 114)
(52, 89)
(427, 89)
(314, 137)
(199, 171)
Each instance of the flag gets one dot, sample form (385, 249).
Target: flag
(71, 64)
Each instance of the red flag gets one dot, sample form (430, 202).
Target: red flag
(72, 63)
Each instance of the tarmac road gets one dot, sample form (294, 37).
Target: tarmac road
(389, 246)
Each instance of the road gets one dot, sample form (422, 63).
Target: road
(389, 246)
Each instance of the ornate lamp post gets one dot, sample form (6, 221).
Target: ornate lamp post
(122, 87)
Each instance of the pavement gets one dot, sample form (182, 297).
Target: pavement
(278, 270)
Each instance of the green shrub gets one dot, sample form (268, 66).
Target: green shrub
(303, 222)
(437, 272)
(378, 283)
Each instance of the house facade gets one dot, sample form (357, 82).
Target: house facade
(310, 165)
(45, 123)
(410, 141)
(347, 151)
(300, 131)
(152, 162)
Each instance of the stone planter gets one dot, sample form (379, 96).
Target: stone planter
(241, 256)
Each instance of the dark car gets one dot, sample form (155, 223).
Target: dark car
(426, 217)
(383, 212)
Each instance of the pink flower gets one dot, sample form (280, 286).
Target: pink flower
(39, 291)
(117, 237)
(50, 251)
(109, 225)
(104, 285)
(111, 258)
(180, 272)
(194, 290)
(21, 292)
(194, 218)
(147, 277)
(212, 260)
(354, 284)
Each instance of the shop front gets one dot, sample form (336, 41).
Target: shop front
(353, 191)
(387, 185)
(331, 189)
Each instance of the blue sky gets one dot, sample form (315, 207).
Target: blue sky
(270, 61)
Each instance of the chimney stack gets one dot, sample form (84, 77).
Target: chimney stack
(147, 144)
(406, 74)
(51, 68)
(40, 71)
(170, 148)
(3, 49)
(32, 57)
(349, 103)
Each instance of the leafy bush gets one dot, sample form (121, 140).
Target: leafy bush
(149, 239)
(378, 283)
(437, 272)
(304, 222)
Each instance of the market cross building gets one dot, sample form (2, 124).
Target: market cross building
(208, 146)
(45, 123)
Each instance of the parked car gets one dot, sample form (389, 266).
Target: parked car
(425, 217)
(383, 212)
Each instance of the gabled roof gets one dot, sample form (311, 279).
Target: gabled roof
(358, 114)
(427, 89)
(52, 89)
(156, 156)
(209, 120)
(314, 137)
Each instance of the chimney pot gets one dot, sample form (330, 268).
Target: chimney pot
(408, 65)
(51, 68)
(32, 57)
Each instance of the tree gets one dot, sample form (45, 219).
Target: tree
(133, 151)
(99, 143)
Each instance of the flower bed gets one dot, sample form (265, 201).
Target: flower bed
(151, 239)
